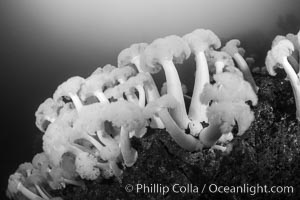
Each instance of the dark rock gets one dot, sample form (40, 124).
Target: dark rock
(268, 154)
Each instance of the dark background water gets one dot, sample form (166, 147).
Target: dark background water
(44, 43)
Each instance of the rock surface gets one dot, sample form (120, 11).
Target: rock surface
(268, 154)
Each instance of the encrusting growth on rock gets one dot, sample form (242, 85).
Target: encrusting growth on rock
(90, 124)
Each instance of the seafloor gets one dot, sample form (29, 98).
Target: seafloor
(268, 154)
